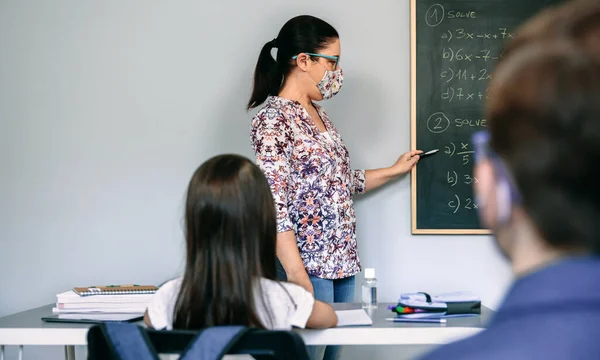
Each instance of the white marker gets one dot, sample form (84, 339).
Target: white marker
(430, 152)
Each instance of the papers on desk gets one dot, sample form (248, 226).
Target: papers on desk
(356, 317)
(71, 298)
(101, 317)
(433, 315)
(100, 310)
(70, 302)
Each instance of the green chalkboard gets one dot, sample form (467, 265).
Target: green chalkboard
(454, 46)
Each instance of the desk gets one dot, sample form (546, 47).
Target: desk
(389, 333)
(27, 328)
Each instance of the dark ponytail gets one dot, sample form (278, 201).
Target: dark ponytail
(304, 33)
(267, 76)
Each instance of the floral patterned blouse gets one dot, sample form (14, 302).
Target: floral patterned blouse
(312, 184)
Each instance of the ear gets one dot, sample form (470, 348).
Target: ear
(302, 61)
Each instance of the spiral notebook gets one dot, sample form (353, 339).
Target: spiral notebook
(115, 290)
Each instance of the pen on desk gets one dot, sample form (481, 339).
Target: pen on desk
(416, 320)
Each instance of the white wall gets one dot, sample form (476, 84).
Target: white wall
(107, 107)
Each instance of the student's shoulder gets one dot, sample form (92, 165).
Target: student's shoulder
(169, 287)
(286, 290)
(160, 308)
(292, 302)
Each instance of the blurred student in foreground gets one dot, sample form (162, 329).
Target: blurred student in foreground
(539, 171)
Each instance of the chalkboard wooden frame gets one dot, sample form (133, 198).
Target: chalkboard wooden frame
(413, 136)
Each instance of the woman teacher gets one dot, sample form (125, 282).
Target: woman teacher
(306, 162)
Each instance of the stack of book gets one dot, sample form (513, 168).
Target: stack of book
(112, 301)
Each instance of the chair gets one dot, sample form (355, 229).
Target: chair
(260, 344)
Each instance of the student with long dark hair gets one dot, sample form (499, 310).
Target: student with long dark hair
(307, 164)
(229, 279)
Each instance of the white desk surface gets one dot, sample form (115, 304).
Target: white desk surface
(27, 328)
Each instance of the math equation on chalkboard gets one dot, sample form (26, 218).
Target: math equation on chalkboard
(455, 45)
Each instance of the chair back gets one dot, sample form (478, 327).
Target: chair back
(125, 341)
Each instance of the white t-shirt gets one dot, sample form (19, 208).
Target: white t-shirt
(286, 309)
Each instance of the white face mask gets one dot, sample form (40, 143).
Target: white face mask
(331, 83)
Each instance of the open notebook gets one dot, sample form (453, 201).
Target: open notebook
(356, 317)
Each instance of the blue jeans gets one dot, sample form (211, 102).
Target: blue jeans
(329, 291)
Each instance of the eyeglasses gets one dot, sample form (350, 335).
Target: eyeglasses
(330, 57)
(481, 144)
(483, 151)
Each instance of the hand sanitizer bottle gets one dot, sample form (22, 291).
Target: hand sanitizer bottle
(369, 290)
